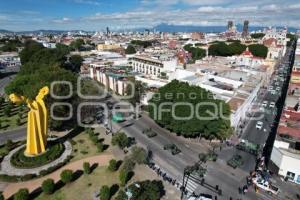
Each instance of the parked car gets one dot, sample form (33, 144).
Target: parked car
(264, 104)
(259, 125)
(272, 105)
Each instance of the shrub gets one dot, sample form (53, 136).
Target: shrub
(100, 147)
(18, 121)
(86, 168)
(21, 161)
(22, 194)
(27, 177)
(123, 176)
(121, 195)
(48, 186)
(128, 164)
(105, 193)
(112, 165)
(7, 111)
(9, 144)
(94, 138)
(139, 155)
(66, 176)
(121, 140)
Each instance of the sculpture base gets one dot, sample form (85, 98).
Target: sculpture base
(22, 160)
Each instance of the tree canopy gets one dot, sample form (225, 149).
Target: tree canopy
(258, 50)
(202, 104)
(40, 67)
(11, 45)
(130, 50)
(147, 190)
(257, 35)
(223, 49)
(141, 43)
(76, 44)
(197, 53)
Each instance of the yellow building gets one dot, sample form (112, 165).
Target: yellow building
(102, 47)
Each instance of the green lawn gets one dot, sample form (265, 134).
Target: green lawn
(84, 187)
(10, 122)
(83, 148)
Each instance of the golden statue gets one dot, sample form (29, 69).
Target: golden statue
(37, 124)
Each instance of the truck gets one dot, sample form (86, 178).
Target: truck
(245, 145)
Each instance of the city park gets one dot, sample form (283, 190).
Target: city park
(29, 165)
(64, 164)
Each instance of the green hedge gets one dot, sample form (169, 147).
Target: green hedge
(27, 177)
(19, 160)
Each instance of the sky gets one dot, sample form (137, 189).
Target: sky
(96, 15)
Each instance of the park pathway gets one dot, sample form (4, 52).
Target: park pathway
(12, 188)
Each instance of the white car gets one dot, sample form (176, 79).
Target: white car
(259, 125)
(264, 104)
(272, 105)
(278, 89)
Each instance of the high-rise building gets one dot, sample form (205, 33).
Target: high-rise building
(245, 28)
(230, 25)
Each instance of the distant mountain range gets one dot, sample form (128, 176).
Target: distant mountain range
(161, 28)
(207, 29)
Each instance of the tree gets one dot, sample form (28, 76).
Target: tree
(76, 44)
(150, 190)
(121, 195)
(86, 168)
(222, 49)
(113, 165)
(100, 147)
(31, 47)
(120, 139)
(128, 164)
(136, 92)
(105, 193)
(258, 50)
(7, 111)
(66, 176)
(48, 186)
(11, 45)
(257, 35)
(139, 155)
(64, 49)
(75, 63)
(41, 67)
(143, 44)
(123, 176)
(130, 50)
(202, 105)
(22, 194)
(197, 53)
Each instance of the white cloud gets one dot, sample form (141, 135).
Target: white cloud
(90, 2)
(62, 21)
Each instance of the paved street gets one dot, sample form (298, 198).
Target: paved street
(14, 135)
(7, 75)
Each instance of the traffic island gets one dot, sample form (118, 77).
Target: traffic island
(18, 167)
